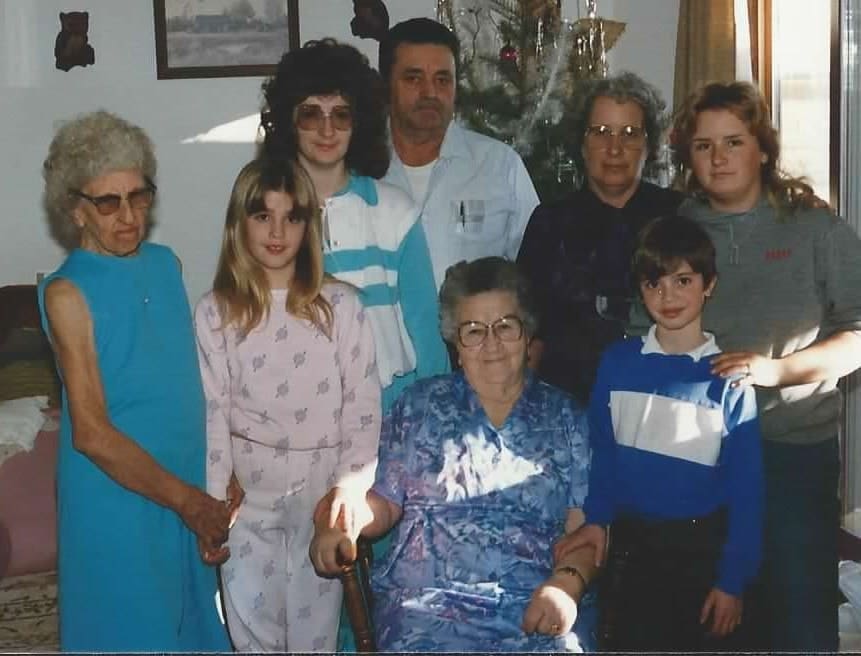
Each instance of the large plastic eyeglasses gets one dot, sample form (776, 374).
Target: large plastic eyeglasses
(312, 117)
(601, 137)
(474, 333)
(139, 199)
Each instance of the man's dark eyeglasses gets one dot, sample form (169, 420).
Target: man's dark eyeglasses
(139, 199)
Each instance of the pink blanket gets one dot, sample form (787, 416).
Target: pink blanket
(28, 511)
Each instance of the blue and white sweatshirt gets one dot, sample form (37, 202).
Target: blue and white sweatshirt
(670, 440)
(373, 239)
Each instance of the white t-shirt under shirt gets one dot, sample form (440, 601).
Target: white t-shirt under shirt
(473, 170)
(419, 177)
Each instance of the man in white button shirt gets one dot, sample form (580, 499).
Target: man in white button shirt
(475, 193)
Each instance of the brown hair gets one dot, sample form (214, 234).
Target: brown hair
(745, 101)
(668, 241)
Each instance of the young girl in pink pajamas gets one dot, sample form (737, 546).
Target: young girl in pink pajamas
(293, 406)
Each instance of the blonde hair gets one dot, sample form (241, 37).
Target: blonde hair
(241, 287)
(744, 100)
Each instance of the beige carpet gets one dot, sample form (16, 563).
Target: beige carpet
(28, 613)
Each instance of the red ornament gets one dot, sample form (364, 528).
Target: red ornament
(508, 54)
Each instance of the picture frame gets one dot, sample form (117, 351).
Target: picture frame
(223, 38)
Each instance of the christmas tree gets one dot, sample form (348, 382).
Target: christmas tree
(520, 65)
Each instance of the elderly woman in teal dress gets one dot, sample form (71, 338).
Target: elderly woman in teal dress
(135, 527)
(478, 473)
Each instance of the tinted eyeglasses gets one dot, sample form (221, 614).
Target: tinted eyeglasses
(139, 199)
(312, 117)
(601, 137)
(474, 333)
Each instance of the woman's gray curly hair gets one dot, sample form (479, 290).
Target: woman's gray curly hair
(84, 148)
(625, 87)
(486, 274)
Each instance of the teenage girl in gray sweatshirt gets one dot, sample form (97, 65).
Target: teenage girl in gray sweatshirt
(787, 314)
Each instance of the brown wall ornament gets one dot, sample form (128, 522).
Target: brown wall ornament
(72, 47)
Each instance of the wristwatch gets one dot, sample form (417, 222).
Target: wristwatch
(572, 571)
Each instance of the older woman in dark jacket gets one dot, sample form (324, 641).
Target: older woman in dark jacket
(576, 251)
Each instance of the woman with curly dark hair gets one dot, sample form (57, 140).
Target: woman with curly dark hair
(325, 107)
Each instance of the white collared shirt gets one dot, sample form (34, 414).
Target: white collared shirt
(652, 345)
(471, 167)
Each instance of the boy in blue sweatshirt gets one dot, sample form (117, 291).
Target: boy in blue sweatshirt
(676, 479)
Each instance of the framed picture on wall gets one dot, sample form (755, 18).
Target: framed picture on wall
(223, 38)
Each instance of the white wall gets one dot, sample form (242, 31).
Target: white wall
(648, 45)
(194, 179)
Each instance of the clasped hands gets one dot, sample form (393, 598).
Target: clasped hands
(553, 607)
(211, 520)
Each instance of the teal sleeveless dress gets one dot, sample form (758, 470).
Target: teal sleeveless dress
(129, 574)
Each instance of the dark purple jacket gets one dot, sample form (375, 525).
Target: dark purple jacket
(576, 253)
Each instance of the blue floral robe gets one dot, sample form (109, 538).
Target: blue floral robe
(481, 509)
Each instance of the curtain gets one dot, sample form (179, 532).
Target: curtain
(850, 207)
(753, 22)
(705, 45)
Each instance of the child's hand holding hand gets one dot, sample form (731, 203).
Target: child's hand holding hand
(587, 535)
(235, 495)
(725, 610)
(339, 518)
(330, 549)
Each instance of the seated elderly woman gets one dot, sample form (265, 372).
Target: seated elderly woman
(133, 433)
(478, 472)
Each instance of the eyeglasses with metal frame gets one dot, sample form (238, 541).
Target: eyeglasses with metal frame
(632, 137)
(312, 117)
(472, 334)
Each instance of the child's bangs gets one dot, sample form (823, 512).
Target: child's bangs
(653, 266)
(255, 200)
(277, 181)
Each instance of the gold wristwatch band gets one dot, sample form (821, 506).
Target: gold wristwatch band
(572, 571)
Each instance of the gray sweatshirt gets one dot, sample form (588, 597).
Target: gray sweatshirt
(783, 283)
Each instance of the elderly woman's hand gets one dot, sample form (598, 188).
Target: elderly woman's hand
(207, 517)
(553, 608)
